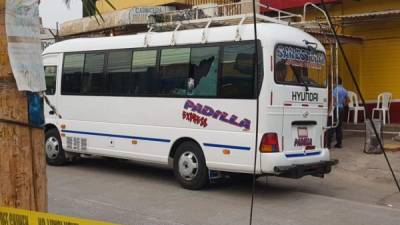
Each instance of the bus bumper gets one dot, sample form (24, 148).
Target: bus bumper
(298, 171)
(297, 164)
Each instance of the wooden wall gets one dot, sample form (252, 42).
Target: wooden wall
(23, 182)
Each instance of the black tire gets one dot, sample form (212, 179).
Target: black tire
(56, 155)
(190, 153)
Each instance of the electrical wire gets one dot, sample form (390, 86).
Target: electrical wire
(52, 107)
(256, 72)
(359, 92)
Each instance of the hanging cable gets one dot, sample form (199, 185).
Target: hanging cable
(256, 73)
(52, 107)
(359, 92)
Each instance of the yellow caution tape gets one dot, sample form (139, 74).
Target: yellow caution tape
(9, 216)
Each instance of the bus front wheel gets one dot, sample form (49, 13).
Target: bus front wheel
(55, 154)
(190, 166)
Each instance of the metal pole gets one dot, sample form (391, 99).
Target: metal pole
(257, 110)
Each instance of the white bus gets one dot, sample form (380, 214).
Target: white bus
(192, 105)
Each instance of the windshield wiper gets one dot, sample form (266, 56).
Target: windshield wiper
(301, 80)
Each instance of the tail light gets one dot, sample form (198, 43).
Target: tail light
(269, 143)
(310, 147)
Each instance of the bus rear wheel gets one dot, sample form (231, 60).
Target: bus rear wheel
(190, 166)
(55, 154)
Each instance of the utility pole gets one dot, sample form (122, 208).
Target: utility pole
(23, 181)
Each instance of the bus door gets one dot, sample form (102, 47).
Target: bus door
(52, 74)
(302, 75)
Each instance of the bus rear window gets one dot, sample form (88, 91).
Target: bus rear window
(300, 66)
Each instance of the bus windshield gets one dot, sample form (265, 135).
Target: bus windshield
(300, 66)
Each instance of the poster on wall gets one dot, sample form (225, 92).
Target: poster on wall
(24, 44)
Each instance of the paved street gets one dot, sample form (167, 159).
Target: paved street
(126, 193)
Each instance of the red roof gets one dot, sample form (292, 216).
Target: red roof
(285, 4)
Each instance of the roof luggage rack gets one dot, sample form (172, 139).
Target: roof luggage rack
(218, 15)
(238, 13)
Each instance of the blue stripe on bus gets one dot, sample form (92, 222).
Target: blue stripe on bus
(302, 154)
(116, 136)
(227, 146)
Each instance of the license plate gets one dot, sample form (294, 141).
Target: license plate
(302, 132)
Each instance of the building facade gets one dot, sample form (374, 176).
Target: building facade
(375, 58)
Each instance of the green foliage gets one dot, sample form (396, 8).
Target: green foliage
(90, 9)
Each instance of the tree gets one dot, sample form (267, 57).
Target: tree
(89, 8)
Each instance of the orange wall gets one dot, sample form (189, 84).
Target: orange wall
(376, 61)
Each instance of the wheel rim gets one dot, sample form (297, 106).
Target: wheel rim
(188, 165)
(52, 147)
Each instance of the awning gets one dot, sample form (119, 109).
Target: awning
(371, 14)
(323, 33)
(330, 39)
(386, 15)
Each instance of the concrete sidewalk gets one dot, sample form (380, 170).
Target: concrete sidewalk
(354, 162)
(369, 170)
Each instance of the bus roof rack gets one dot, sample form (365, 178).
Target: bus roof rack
(218, 15)
(205, 16)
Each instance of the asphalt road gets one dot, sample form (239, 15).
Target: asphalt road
(127, 193)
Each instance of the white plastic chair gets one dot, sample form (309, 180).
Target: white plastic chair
(354, 106)
(383, 106)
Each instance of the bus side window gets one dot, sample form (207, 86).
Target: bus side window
(144, 70)
(174, 71)
(204, 71)
(119, 72)
(93, 80)
(50, 73)
(237, 80)
(72, 72)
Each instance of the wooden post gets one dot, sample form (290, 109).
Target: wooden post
(23, 182)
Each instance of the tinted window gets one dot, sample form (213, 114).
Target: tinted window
(203, 71)
(72, 72)
(50, 73)
(237, 79)
(119, 72)
(174, 71)
(93, 80)
(144, 69)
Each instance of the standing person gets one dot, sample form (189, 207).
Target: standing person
(340, 100)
